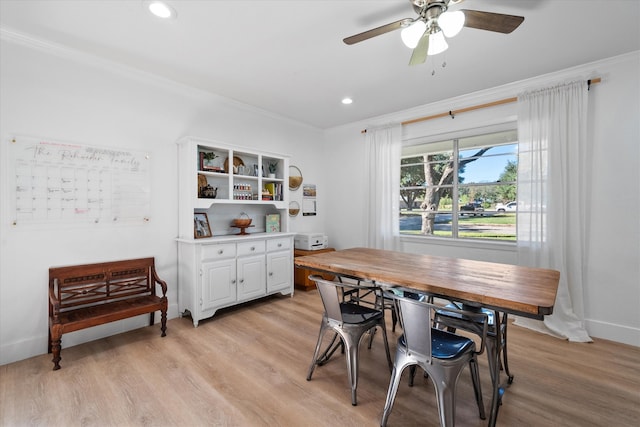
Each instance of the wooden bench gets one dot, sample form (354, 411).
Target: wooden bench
(82, 296)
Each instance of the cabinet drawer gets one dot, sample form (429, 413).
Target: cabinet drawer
(278, 244)
(218, 251)
(250, 248)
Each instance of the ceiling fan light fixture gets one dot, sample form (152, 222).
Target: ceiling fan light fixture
(411, 35)
(437, 43)
(451, 22)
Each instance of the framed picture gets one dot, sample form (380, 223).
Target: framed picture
(201, 227)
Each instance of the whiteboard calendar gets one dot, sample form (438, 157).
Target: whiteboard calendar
(66, 183)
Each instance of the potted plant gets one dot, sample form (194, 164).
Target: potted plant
(207, 159)
(273, 167)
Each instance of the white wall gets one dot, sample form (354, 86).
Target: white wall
(612, 283)
(58, 94)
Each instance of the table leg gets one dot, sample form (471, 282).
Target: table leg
(498, 391)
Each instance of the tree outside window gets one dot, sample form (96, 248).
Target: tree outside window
(453, 188)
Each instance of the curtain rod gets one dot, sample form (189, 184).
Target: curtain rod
(453, 113)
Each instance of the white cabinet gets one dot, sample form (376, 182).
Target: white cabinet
(224, 271)
(251, 270)
(228, 269)
(218, 284)
(279, 266)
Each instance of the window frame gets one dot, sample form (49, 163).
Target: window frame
(453, 138)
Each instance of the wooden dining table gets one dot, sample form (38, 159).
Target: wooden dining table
(504, 288)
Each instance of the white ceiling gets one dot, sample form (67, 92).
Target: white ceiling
(288, 57)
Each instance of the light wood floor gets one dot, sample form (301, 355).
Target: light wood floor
(247, 367)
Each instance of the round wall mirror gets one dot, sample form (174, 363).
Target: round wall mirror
(294, 208)
(295, 177)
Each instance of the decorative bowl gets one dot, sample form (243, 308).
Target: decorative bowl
(242, 221)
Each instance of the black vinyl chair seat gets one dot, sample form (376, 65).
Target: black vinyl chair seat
(356, 314)
(445, 345)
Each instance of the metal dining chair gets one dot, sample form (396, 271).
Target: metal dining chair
(350, 322)
(442, 355)
(496, 338)
(453, 321)
(497, 330)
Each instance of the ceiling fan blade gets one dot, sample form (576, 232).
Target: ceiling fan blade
(377, 31)
(419, 54)
(490, 21)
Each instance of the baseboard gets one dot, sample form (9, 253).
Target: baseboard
(613, 332)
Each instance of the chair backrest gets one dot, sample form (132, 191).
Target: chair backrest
(416, 315)
(333, 298)
(466, 318)
(329, 295)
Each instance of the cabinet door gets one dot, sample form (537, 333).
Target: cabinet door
(251, 277)
(279, 271)
(218, 283)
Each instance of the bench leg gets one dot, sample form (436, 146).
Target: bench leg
(163, 320)
(55, 341)
(55, 349)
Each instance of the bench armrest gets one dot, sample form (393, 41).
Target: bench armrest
(161, 282)
(54, 304)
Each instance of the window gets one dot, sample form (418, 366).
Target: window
(459, 188)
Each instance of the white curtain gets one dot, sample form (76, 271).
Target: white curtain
(382, 157)
(553, 198)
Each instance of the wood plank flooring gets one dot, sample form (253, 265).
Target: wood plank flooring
(247, 367)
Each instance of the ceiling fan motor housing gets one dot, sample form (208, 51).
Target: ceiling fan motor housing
(430, 11)
(422, 5)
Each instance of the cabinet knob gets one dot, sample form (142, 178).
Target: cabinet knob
(270, 273)
(241, 280)
(233, 281)
(253, 248)
(220, 251)
(279, 245)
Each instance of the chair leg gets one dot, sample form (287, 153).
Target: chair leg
(314, 361)
(386, 344)
(372, 333)
(444, 380)
(331, 348)
(477, 387)
(412, 375)
(396, 374)
(352, 366)
(394, 319)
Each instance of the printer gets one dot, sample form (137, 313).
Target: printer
(310, 241)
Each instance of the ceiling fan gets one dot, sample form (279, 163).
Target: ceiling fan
(425, 34)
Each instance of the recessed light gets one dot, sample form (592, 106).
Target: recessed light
(347, 101)
(160, 9)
